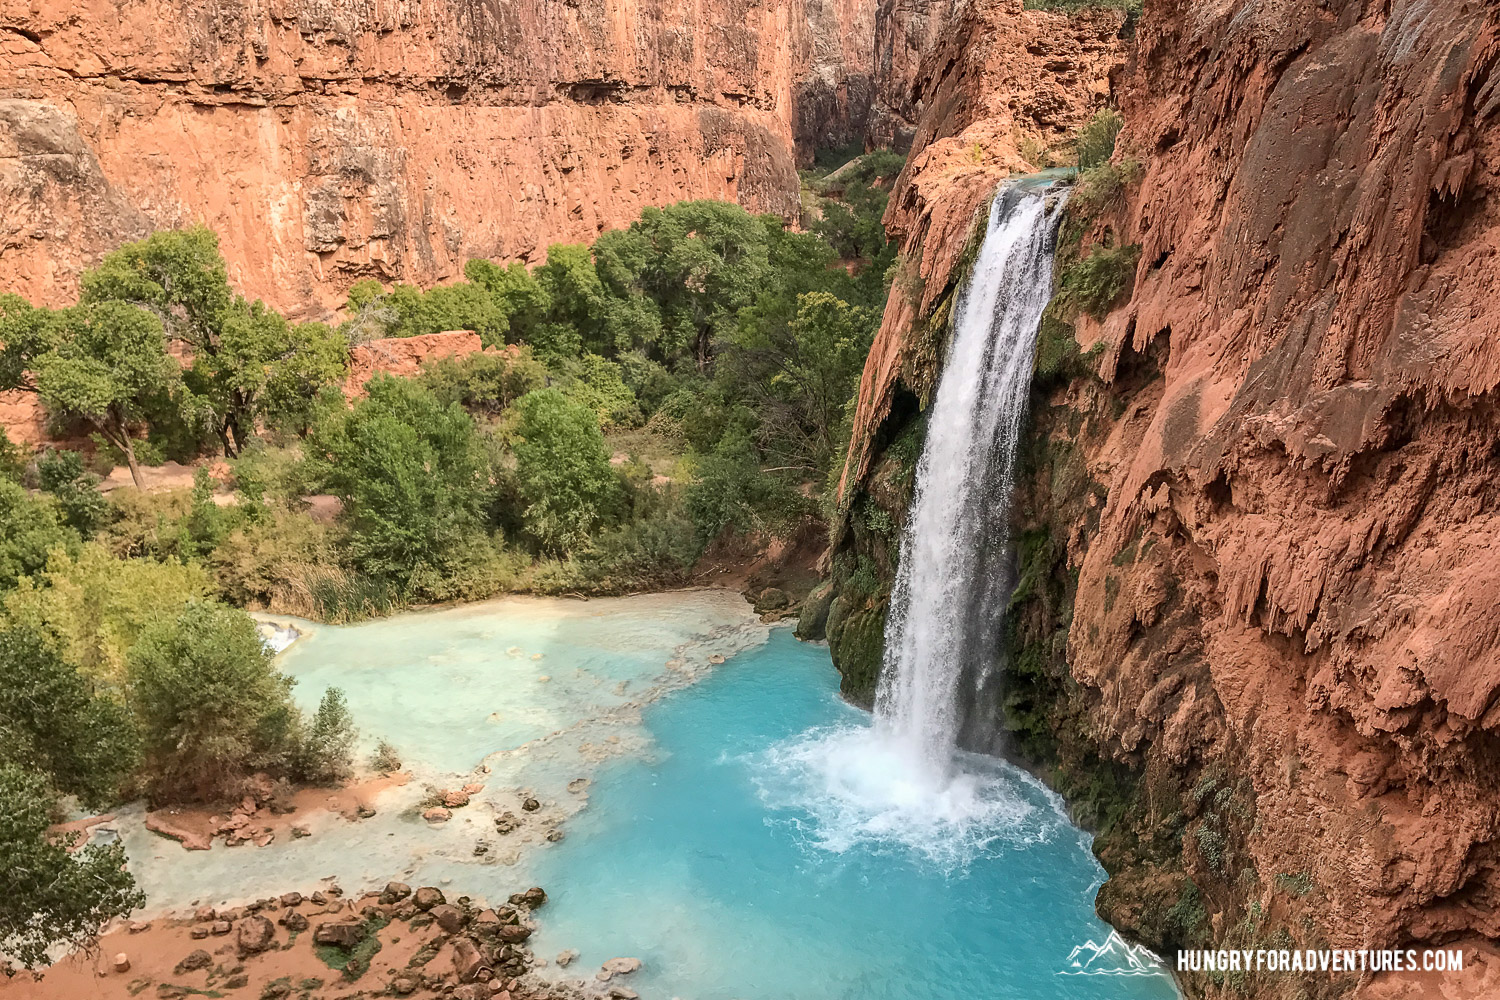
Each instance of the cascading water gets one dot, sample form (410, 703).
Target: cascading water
(907, 781)
(942, 635)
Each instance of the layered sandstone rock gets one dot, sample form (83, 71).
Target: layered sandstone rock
(999, 84)
(404, 356)
(329, 141)
(1280, 497)
(1313, 461)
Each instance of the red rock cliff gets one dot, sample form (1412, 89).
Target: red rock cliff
(329, 140)
(1287, 609)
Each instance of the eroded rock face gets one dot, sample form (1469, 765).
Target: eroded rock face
(327, 142)
(1312, 461)
(1281, 492)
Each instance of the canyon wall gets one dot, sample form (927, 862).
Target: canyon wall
(331, 140)
(1257, 639)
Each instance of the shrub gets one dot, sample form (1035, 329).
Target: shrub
(30, 529)
(52, 897)
(82, 506)
(53, 722)
(326, 752)
(414, 478)
(562, 466)
(213, 709)
(92, 608)
(1097, 282)
(1095, 142)
(485, 382)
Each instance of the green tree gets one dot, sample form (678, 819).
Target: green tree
(699, 262)
(178, 275)
(12, 461)
(577, 302)
(263, 367)
(567, 486)
(485, 382)
(515, 292)
(52, 897)
(53, 722)
(30, 530)
(212, 706)
(799, 376)
(83, 507)
(108, 364)
(26, 332)
(413, 476)
(326, 754)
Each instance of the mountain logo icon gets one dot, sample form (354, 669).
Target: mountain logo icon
(1115, 957)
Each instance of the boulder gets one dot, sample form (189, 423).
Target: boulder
(772, 599)
(121, 962)
(467, 960)
(291, 899)
(506, 822)
(565, 958)
(341, 933)
(617, 967)
(205, 915)
(427, 897)
(403, 986)
(514, 933)
(198, 933)
(532, 897)
(255, 935)
(220, 927)
(293, 921)
(437, 814)
(530, 804)
(449, 917)
(395, 892)
(455, 799)
(199, 959)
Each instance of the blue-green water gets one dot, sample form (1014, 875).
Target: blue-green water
(733, 824)
(728, 864)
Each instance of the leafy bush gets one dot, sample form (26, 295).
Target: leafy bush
(1097, 282)
(325, 755)
(53, 722)
(414, 479)
(52, 897)
(79, 501)
(1102, 186)
(562, 466)
(484, 382)
(93, 607)
(212, 707)
(30, 529)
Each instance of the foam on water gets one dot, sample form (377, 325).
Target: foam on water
(865, 791)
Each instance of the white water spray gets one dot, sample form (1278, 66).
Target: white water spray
(947, 608)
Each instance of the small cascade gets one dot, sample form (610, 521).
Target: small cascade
(938, 687)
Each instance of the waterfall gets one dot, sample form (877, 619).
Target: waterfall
(906, 781)
(938, 685)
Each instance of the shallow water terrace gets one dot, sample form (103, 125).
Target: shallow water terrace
(740, 829)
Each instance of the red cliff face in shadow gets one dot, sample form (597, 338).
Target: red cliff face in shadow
(1287, 609)
(329, 142)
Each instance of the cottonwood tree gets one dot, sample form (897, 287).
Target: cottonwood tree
(245, 356)
(567, 485)
(108, 364)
